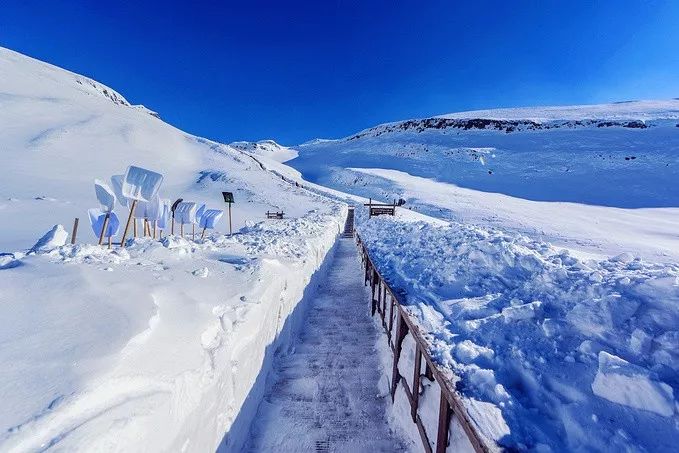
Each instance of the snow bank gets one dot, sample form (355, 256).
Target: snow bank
(573, 354)
(170, 334)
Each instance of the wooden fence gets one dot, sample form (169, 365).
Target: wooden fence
(388, 304)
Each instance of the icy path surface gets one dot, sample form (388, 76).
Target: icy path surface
(324, 395)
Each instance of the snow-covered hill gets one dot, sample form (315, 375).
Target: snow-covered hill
(156, 347)
(267, 148)
(586, 177)
(547, 280)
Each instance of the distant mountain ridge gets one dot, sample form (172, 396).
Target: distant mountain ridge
(626, 114)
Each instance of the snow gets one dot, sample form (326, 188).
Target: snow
(621, 382)
(158, 346)
(594, 186)
(54, 238)
(323, 394)
(268, 149)
(632, 110)
(537, 248)
(587, 229)
(537, 336)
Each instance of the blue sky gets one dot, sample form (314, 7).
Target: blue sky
(293, 71)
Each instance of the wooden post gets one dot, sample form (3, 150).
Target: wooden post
(75, 230)
(444, 421)
(230, 230)
(416, 382)
(172, 230)
(103, 229)
(155, 224)
(127, 225)
(401, 332)
(193, 231)
(109, 242)
(181, 229)
(203, 235)
(134, 226)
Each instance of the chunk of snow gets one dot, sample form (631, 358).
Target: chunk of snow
(621, 382)
(56, 237)
(8, 262)
(172, 242)
(520, 312)
(202, 272)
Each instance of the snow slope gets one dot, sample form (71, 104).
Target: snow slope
(559, 173)
(552, 352)
(547, 277)
(160, 346)
(268, 149)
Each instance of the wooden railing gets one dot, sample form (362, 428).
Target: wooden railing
(389, 305)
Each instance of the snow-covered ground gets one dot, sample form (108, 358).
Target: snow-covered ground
(325, 394)
(160, 346)
(553, 352)
(598, 179)
(547, 272)
(540, 255)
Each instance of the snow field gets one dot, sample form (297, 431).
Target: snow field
(148, 342)
(157, 346)
(552, 352)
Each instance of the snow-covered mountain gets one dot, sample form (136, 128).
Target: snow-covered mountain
(546, 278)
(570, 175)
(155, 347)
(167, 345)
(267, 148)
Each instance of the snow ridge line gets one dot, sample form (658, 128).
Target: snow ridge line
(450, 404)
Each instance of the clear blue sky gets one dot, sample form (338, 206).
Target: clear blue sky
(293, 71)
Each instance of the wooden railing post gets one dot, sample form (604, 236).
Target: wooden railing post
(401, 332)
(416, 382)
(444, 421)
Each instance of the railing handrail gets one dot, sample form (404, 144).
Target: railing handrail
(441, 375)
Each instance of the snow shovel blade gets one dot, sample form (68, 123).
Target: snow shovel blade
(141, 184)
(106, 197)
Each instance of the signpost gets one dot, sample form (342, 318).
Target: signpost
(228, 198)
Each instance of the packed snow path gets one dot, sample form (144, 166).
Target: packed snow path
(324, 395)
